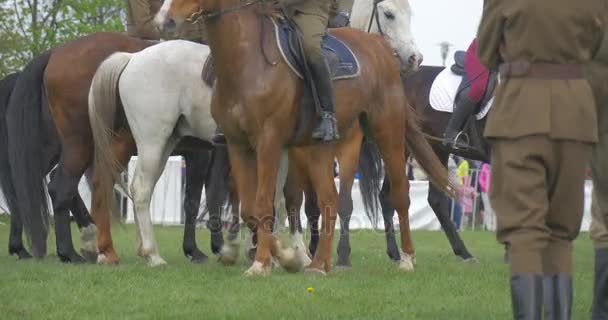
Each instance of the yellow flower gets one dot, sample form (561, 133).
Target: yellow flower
(310, 289)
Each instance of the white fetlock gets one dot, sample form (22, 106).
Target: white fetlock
(258, 269)
(101, 259)
(229, 252)
(88, 239)
(155, 261)
(407, 262)
(302, 256)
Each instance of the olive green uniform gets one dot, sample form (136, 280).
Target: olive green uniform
(312, 17)
(597, 74)
(541, 129)
(140, 24)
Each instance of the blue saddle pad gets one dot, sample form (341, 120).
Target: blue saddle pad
(342, 61)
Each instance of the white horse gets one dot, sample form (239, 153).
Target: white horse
(392, 19)
(165, 99)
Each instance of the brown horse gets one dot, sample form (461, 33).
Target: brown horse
(256, 103)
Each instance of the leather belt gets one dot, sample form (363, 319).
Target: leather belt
(525, 69)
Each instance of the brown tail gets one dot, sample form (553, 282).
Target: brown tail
(103, 97)
(424, 154)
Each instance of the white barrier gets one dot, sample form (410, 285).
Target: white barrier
(166, 207)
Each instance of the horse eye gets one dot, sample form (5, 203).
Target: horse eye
(389, 15)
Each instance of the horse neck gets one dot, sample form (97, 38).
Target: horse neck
(361, 14)
(234, 41)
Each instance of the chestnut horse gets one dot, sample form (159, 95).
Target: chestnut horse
(256, 103)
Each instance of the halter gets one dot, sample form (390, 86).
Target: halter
(375, 14)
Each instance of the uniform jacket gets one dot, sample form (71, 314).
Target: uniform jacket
(541, 31)
(323, 8)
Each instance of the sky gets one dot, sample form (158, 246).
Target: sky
(435, 21)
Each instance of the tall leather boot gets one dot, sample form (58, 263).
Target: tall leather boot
(463, 110)
(600, 295)
(527, 296)
(558, 296)
(327, 128)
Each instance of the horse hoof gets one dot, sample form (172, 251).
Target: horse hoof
(89, 256)
(105, 260)
(407, 262)
(258, 269)
(344, 263)
(21, 253)
(88, 239)
(71, 258)
(156, 261)
(471, 260)
(290, 261)
(315, 272)
(199, 260)
(229, 253)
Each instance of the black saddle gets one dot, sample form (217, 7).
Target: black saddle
(458, 66)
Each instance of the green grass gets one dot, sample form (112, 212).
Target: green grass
(441, 287)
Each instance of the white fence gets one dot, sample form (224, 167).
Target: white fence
(167, 209)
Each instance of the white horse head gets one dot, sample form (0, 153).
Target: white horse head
(392, 19)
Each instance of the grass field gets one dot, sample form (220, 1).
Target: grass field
(441, 287)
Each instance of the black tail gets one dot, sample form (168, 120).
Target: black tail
(25, 128)
(370, 179)
(6, 88)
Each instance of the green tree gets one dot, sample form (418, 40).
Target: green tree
(29, 27)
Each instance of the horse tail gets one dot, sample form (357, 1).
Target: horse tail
(25, 132)
(425, 155)
(370, 177)
(103, 105)
(6, 184)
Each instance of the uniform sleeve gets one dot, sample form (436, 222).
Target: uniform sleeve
(601, 54)
(142, 16)
(289, 3)
(489, 34)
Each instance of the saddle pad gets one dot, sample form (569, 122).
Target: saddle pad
(342, 61)
(444, 90)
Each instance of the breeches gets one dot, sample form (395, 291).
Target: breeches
(537, 192)
(313, 28)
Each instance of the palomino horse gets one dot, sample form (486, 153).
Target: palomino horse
(164, 99)
(27, 103)
(67, 78)
(256, 103)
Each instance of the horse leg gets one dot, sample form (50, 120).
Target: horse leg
(62, 189)
(243, 168)
(392, 250)
(123, 146)
(196, 166)
(313, 213)
(15, 242)
(230, 250)
(348, 155)
(151, 160)
(88, 231)
(321, 175)
(393, 150)
(293, 202)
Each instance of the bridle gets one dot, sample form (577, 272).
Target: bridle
(375, 14)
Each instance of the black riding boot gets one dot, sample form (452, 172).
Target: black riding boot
(327, 128)
(463, 110)
(527, 296)
(558, 296)
(218, 137)
(600, 296)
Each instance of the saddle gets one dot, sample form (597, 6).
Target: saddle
(458, 66)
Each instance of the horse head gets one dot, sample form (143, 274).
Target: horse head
(392, 19)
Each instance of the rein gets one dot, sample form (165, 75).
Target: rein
(375, 14)
(208, 15)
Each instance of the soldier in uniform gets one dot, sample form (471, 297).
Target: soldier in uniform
(312, 17)
(542, 128)
(597, 74)
(140, 16)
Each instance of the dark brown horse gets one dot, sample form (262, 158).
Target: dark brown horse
(256, 103)
(62, 80)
